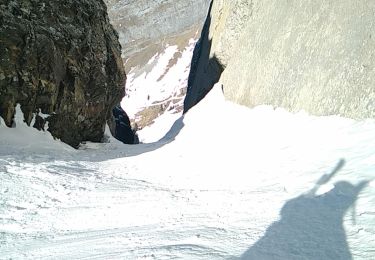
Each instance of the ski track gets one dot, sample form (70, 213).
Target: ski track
(68, 210)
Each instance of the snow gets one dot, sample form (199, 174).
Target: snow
(19, 137)
(226, 182)
(159, 80)
(159, 128)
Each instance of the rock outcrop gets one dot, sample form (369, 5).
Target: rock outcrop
(61, 58)
(316, 56)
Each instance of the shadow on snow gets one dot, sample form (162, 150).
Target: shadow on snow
(134, 150)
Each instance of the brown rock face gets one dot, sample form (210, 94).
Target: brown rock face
(61, 58)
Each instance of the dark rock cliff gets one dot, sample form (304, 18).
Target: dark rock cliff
(60, 58)
(205, 70)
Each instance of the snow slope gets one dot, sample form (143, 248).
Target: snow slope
(226, 182)
(163, 78)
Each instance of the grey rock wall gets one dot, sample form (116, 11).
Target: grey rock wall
(145, 26)
(318, 56)
(60, 58)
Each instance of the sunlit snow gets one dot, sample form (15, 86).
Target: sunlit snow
(226, 182)
(159, 80)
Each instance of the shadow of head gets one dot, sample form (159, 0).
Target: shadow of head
(345, 188)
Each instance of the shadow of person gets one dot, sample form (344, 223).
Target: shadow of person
(311, 226)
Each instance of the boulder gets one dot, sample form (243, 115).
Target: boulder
(62, 58)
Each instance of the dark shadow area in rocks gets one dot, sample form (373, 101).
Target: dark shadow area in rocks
(311, 225)
(122, 127)
(205, 71)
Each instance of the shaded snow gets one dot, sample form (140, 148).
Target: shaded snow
(227, 182)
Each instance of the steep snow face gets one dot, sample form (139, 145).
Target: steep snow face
(226, 182)
(158, 88)
(164, 77)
